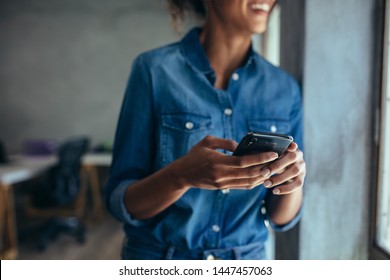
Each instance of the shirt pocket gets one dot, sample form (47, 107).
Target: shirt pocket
(180, 132)
(269, 125)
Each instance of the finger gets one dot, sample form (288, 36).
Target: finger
(291, 172)
(284, 161)
(290, 187)
(219, 143)
(246, 184)
(228, 173)
(250, 160)
(292, 147)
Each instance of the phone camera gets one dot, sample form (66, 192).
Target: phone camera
(251, 141)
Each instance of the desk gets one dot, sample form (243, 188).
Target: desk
(20, 169)
(23, 168)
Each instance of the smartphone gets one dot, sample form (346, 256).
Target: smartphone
(260, 142)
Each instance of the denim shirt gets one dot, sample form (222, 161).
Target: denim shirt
(170, 104)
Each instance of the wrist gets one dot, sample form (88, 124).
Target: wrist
(175, 175)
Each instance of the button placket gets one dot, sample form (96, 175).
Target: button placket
(216, 221)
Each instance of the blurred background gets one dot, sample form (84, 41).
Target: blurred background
(64, 65)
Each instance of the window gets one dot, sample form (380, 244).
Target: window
(268, 44)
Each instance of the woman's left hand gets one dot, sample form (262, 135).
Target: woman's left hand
(289, 172)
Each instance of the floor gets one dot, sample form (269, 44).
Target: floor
(103, 242)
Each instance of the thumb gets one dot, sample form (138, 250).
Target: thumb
(293, 147)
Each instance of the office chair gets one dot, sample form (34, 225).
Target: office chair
(3, 153)
(62, 195)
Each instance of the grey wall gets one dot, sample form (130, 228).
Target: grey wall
(337, 99)
(64, 64)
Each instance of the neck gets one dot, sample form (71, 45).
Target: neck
(226, 50)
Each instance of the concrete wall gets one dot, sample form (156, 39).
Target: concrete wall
(64, 64)
(337, 99)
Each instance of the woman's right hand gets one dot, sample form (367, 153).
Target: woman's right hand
(205, 167)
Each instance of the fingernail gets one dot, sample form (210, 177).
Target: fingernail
(276, 191)
(265, 172)
(267, 183)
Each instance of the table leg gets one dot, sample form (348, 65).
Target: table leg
(93, 179)
(2, 222)
(9, 249)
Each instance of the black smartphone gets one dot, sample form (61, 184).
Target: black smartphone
(260, 142)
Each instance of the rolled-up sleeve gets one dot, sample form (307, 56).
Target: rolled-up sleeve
(134, 141)
(118, 208)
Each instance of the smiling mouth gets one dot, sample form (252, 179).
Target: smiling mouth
(260, 7)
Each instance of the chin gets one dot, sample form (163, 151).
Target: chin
(259, 29)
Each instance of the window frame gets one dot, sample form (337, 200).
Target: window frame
(381, 68)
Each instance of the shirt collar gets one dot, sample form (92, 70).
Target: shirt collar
(194, 53)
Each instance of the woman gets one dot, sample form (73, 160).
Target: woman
(173, 181)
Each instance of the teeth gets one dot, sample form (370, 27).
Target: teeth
(257, 6)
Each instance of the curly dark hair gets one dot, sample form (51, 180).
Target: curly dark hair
(179, 9)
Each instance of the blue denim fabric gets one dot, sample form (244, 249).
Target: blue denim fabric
(170, 104)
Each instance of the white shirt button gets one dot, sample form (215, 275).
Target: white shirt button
(235, 76)
(189, 125)
(228, 112)
(210, 258)
(273, 128)
(225, 191)
(216, 228)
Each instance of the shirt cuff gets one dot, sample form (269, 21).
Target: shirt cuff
(281, 228)
(118, 208)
